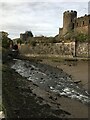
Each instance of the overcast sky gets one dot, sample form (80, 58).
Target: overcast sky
(42, 18)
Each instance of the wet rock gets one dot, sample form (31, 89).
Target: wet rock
(34, 94)
(32, 68)
(56, 77)
(35, 84)
(58, 104)
(55, 98)
(17, 87)
(40, 98)
(79, 81)
(30, 91)
(50, 97)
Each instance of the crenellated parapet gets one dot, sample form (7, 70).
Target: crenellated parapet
(72, 23)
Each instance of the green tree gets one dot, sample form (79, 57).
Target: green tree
(5, 40)
(19, 41)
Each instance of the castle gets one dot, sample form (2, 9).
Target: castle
(72, 23)
(66, 42)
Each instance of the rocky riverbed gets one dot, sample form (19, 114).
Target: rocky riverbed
(51, 79)
(43, 91)
(24, 99)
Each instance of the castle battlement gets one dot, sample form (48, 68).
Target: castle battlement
(70, 11)
(72, 22)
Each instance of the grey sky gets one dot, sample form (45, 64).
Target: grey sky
(42, 18)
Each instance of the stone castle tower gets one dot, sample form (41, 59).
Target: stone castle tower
(72, 23)
(68, 21)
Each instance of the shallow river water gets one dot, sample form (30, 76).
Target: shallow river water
(51, 79)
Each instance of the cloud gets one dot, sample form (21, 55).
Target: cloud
(13, 1)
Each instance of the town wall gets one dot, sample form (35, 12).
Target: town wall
(55, 49)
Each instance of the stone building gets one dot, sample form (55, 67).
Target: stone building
(72, 23)
(26, 35)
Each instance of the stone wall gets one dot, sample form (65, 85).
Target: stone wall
(82, 49)
(83, 29)
(55, 49)
(82, 21)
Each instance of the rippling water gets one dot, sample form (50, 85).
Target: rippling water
(51, 79)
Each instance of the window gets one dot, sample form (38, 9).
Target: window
(77, 24)
(71, 20)
(89, 21)
(83, 22)
(73, 26)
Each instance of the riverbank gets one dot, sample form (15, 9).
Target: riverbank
(32, 98)
(20, 101)
(77, 69)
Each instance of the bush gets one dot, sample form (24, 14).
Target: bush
(32, 43)
(81, 37)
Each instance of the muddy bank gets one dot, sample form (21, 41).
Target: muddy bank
(20, 101)
(34, 101)
(78, 69)
(74, 107)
